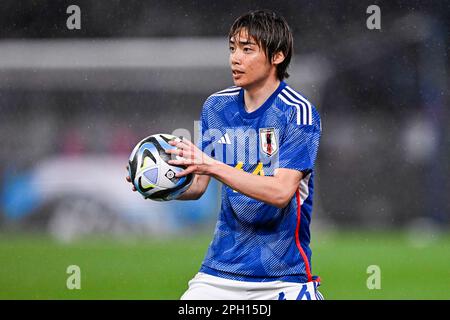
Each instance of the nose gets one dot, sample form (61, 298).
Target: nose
(235, 58)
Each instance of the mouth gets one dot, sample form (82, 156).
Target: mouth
(237, 73)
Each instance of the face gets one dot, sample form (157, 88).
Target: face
(249, 63)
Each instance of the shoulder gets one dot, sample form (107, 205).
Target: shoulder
(220, 98)
(298, 108)
(230, 91)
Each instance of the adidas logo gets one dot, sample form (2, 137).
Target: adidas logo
(225, 139)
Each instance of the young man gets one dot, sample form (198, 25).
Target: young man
(260, 139)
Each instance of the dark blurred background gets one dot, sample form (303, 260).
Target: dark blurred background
(73, 103)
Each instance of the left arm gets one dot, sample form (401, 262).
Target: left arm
(276, 190)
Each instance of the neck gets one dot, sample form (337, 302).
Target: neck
(257, 94)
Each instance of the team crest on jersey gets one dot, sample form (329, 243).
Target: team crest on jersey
(268, 141)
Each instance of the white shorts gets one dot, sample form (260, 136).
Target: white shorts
(206, 287)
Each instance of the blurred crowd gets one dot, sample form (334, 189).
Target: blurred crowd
(383, 160)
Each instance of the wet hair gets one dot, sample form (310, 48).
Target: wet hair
(272, 34)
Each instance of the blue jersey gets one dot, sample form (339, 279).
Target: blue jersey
(255, 241)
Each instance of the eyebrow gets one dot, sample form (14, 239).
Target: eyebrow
(243, 43)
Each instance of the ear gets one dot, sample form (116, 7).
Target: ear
(278, 58)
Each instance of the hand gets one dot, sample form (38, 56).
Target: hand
(128, 178)
(190, 156)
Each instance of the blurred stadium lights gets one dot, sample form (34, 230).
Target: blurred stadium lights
(176, 64)
(180, 64)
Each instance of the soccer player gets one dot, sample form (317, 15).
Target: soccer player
(260, 139)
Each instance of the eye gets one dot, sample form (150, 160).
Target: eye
(247, 49)
(232, 49)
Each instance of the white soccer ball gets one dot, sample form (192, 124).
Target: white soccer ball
(151, 174)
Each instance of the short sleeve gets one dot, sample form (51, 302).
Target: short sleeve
(299, 146)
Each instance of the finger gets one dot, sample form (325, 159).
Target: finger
(182, 150)
(180, 162)
(176, 162)
(128, 178)
(175, 152)
(134, 188)
(174, 142)
(188, 158)
(188, 142)
(185, 172)
(181, 145)
(171, 151)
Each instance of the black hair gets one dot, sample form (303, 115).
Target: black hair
(271, 32)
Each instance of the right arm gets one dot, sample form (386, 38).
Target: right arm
(197, 188)
(195, 191)
(200, 183)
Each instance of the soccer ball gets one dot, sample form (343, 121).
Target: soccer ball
(150, 172)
